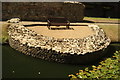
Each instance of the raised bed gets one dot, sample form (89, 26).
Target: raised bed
(65, 50)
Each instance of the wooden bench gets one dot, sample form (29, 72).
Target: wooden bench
(58, 21)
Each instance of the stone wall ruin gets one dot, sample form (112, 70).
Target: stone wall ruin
(65, 50)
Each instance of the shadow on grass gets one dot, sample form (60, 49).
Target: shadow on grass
(84, 21)
(113, 47)
(31, 25)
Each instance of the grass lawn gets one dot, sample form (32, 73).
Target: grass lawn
(111, 31)
(97, 18)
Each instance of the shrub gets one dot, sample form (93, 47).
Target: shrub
(3, 33)
(108, 68)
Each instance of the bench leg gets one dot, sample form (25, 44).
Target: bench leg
(67, 27)
(48, 26)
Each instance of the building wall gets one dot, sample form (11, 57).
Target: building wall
(41, 10)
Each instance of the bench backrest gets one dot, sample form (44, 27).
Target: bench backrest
(58, 19)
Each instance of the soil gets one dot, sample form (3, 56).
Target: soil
(62, 32)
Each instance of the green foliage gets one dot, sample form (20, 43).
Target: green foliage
(108, 68)
(4, 33)
(4, 39)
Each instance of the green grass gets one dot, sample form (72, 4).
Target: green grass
(3, 33)
(111, 31)
(115, 45)
(101, 18)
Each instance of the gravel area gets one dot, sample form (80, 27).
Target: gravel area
(61, 32)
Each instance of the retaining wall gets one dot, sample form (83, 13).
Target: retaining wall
(65, 50)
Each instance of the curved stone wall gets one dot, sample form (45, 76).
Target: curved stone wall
(65, 50)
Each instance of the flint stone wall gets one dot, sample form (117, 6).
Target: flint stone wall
(65, 50)
(41, 10)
